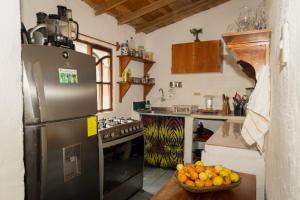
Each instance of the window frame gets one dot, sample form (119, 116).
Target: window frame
(90, 47)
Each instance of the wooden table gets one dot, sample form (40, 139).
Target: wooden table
(245, 191)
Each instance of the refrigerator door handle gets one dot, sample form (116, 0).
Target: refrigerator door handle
(101, 167)
(43, 158)
(39, 83)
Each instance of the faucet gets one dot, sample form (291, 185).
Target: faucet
(162, 99)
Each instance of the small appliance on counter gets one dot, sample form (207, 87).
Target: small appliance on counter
(121, 153)
(185, 109)
(58, 30)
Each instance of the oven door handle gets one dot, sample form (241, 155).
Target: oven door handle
(122, 140)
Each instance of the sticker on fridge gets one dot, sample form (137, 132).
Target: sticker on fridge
(67, 76)
(91, 126)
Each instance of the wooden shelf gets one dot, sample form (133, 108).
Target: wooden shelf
(125, 86)
(251, 49)
(125, 60)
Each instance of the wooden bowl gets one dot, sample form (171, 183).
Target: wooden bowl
(207, 189)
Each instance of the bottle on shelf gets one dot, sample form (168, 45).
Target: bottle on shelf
(131, 43)
(147, 105)
(128, 74)
(124, 76)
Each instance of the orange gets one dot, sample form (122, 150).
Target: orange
(190, 183)
(194, 175)
(181, 171)
(199, 183)
(208, 183)
(227, 180)
(200, 169)
(181, 178)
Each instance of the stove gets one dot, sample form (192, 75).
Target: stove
(121, 157)
(115, 128)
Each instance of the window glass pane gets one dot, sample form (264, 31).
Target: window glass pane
(106, 70)
(99, 100)
(106, 96)
(98, 73)
(80, 47)
(99, 54)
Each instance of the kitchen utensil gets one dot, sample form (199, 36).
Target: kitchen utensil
(226, 106)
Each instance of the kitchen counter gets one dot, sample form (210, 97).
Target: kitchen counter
(229, 135)
(228, 148)
(218, 116)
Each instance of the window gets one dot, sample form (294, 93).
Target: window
(103, 57)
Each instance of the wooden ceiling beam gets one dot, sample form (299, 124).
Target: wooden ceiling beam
(107, 5)
(185, 15)
(181, 13)
(145, 10)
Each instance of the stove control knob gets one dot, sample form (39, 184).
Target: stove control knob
(134, 128)
(112, 134)
(126, 130)
(122, 132)
(130, 129)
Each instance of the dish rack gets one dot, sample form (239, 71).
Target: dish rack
(185, 109)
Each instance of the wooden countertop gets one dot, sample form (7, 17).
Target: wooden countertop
(229, 135)
(245, 191)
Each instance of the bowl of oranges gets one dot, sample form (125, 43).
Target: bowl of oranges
(198, 178)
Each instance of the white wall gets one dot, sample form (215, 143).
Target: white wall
(11, 131)
(214, 22)
(103, 27)
(282, 156)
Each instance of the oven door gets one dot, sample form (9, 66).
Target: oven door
(122, 163)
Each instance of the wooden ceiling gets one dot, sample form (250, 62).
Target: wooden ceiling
(148, 15)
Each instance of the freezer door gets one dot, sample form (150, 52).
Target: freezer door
(61, 161)
(58, 84)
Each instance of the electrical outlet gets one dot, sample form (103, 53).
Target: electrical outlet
(197, 93)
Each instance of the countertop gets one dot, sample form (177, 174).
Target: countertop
(218, 116)
(229, 135)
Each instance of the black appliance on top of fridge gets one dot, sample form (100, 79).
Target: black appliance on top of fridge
(60, 139)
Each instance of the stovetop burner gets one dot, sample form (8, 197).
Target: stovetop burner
(114, 128)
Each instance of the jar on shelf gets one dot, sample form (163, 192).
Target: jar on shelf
(124, 49)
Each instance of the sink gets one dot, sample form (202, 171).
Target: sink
(160, 110)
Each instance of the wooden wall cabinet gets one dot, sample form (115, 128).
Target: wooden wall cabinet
(250, 48)
(197, 57)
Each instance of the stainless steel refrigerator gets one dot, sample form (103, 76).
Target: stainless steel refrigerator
(60, 139)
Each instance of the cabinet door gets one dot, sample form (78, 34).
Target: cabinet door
(207, 56)
(164, 140)
(183, 58)
(197, 57)
(171, 141)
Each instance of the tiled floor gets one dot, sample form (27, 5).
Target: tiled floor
(154, 179)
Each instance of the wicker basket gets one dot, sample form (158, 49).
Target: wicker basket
(207, 189)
